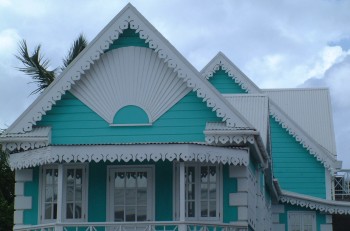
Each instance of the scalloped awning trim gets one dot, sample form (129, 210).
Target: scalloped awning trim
(126, 153)
(313, 203)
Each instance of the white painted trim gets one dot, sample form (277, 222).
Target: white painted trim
(238, 199)
(182, 191)
(328, 185)
(313, 147)
(18, 217)
(314, 203)
(151, 197)
(19, 188)
(23, 175)
(23, 202)
(128, 16)
(301, 214)
(139, 152)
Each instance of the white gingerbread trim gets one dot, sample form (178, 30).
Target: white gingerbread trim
(314, 149)
(314, 203)
(128, 16)
(321, 154)
(220, 60)
(141, 152)
(37, 138)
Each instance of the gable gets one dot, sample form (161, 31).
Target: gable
(224, 83)
(73, 122)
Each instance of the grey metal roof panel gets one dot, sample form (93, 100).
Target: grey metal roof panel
(311, 109)
(254, 107)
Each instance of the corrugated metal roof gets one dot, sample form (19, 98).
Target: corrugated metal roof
(254, 107)
(311, 109)
(36, 132)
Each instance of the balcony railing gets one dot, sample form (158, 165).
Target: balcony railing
(137, 226)
(342, 185)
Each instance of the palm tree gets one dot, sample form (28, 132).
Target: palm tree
(36, 66)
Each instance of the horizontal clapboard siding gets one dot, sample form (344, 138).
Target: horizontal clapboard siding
(73, 122)
(224, 83)
(295, 169)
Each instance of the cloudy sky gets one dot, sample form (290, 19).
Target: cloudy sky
(278, 44)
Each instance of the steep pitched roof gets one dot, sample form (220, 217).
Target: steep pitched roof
(128, 17)
(281, 116)
(311, 109)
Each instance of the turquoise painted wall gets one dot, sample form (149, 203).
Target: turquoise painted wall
(73, 122)
(295, 169)
(224, 83)
(98, 186)
(128, 38)
(229, 186)
(30, 217)
(320, 218)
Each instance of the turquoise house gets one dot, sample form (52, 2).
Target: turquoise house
(131, 136)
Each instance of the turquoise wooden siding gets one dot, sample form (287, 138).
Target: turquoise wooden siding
(295, 169)
(98, 185)
(230, 186)
(73, 122)
(128, 38)
(31, 189)
(224, 83)
(283, 218)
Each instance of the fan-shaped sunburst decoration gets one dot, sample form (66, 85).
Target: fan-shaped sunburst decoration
(130, 76)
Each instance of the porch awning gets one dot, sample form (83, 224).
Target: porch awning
(132, 152)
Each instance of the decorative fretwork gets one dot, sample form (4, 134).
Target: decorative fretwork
(126, 153)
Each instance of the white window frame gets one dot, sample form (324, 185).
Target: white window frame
(219, 192)
(42, 186)
(301, 215)
(150, 197)
(61, 213)
(84, 206)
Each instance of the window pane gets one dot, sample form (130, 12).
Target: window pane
(204, 174)
(141, 213)
(130, 179)
(78, 176)
(190, 209)
(69, 211)
(130, 213)
(204, 209)
(78, 193)
(119, 196)
(70, 193)
(190, 174)
(118, 213)
(55, 193)
(119, 181)
(190, 192)
(48, 176)
(142, 179)
(48, 211)
(142, 197)
(212, 209)
(48, 194)
(70, 176)
(212, 173)
(77, 210)
(212, 191)
(130, 197)
(54, 211)
(204, 192)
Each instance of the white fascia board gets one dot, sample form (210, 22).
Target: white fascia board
(314, 203)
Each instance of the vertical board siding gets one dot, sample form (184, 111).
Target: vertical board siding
(73, 122)
(295, 169)
(31, 189)
(224, 83)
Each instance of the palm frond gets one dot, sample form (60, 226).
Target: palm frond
(79, 44)
(35, 66)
